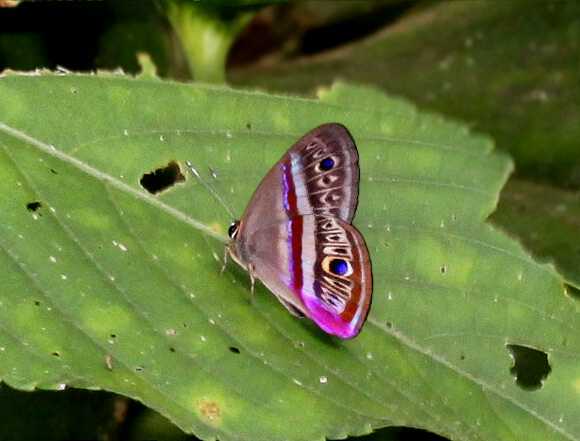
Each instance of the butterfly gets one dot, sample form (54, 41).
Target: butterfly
(296, 236)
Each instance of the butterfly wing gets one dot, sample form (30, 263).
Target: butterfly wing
(318, 175)
(317, 266)
(296, 237)
(322, 170)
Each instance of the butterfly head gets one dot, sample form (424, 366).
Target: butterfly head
(234, 229)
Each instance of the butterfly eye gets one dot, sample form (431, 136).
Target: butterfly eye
(233, 230)
(326, 164)
(340, 267)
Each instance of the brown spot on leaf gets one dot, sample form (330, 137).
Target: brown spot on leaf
(209, 410)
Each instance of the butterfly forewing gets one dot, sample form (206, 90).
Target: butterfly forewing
(318, 175)
(323, 168)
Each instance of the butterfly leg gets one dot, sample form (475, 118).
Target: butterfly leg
(227, 251)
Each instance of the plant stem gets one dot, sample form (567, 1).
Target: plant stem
(206, 37)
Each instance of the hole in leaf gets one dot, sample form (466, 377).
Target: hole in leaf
(162, 178)
(530, 367)
(234, 350)
(33, 206)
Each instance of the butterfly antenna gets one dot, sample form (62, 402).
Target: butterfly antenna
(193, 170)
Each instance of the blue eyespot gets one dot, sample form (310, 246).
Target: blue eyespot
(338, 266)
(326, 164)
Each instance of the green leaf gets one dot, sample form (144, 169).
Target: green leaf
(107, 286)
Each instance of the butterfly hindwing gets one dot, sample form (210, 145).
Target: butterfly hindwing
(328, 279)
